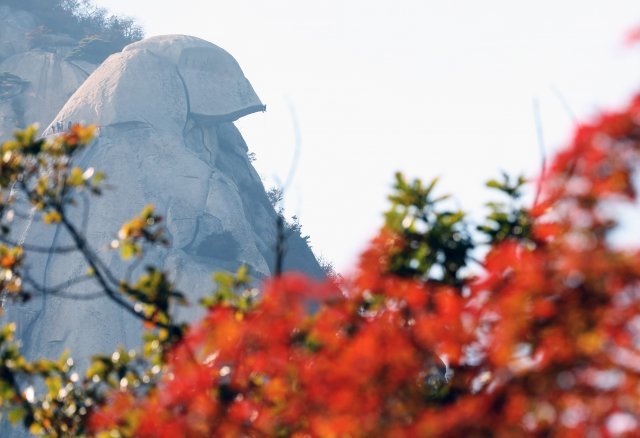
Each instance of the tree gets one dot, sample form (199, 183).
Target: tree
(99, 33)
(540, 336)
(39, 174)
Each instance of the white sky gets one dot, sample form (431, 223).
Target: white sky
(431, 88)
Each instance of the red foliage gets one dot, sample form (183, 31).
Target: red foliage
(632, 37)
(545, 341)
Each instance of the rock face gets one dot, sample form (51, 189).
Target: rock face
(47, 82)
(34, 83)
(15, 28)
(164, 107)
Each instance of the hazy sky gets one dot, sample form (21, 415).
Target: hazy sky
(423, 86)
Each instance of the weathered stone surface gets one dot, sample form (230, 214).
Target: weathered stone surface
(14, 30)
(47, 83)
(126, 89)
(216, 85)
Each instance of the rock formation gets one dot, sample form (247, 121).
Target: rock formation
(164, 107)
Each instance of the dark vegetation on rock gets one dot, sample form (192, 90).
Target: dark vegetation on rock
(94, 31)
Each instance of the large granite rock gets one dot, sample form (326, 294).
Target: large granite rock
(164, 107)
(125, 89)
(228, 97)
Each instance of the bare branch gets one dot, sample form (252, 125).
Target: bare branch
(60, 288)
(543, 154)
(297, 146)
(40, 249)
(565, 104)
(97, 266)
(280, 246)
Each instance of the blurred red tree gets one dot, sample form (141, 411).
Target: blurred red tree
(543, 341)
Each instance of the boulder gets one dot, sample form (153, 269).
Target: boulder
(134, 86)
(215, 83)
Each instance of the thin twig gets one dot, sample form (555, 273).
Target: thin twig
(280, 247)
(565, 104)
(94, 263)
(40, 249)
(58, 288)
(297, 146)
(541, 145)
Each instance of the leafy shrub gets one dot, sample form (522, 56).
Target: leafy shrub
(93, 49)
(82, 20)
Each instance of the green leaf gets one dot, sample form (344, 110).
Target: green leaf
(243, 274)
(76, 177)
(36, 429)
(53, 384)
(98, 178)
(128, 250)
(430, 187)
(16, 414)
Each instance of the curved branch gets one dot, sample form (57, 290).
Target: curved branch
(541, 145)
(58, 289)
(96, 265)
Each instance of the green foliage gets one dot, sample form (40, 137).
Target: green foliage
(144, 228)
(507, 220)
(49, 397)
(275, 195)
(153, 294)
(294, 227)
(232, 290)
(100, 34)
(328, 268)
(437, 243)
(94, 49)
(58, 410)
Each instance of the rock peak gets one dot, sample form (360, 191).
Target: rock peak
(164, 80)
(165, 108)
